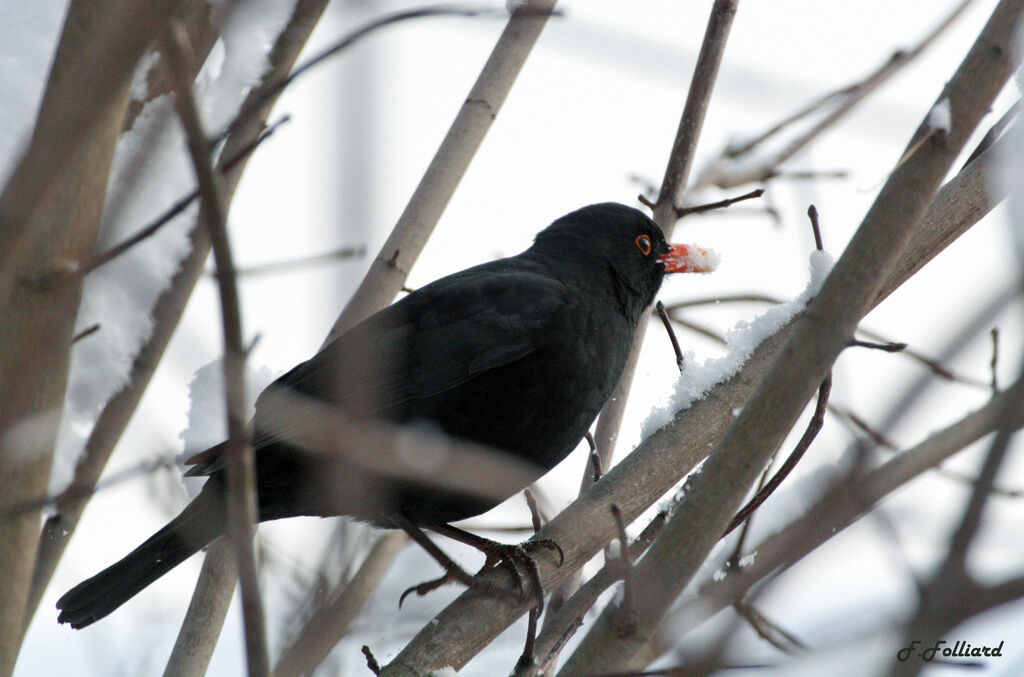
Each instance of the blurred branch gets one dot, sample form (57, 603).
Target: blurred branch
(93, 76)
(390, 268)
(50, 213)
(841, 504)
(733, 168)
(330, 623)
(96, 260)
(211, 599)
(241, 475)
(951, 595)
(113, 418)
(292, 265)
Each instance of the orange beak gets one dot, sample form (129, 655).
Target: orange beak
(688, 258)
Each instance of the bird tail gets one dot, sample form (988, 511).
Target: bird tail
(197, 525)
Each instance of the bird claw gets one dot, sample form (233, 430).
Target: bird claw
(456, 575)
(503, 553)
(496, 554)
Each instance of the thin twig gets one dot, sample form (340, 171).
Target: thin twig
(301, 263)
(994, 364)
(362, 32)
(697, 209)
(768, 630)
(733, 563)
(874, 435)
(842, 101)
(88, 331)
(670, 195)
(812, 214)
(887, 347)
(813, 428)
(77, 492)
(241, 493)
(371, 662)
(671, 334)
(96, 260)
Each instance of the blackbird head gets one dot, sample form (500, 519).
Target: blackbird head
(620, 247)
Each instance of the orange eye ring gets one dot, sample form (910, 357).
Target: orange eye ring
(643, 243)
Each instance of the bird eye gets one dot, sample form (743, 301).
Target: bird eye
(643, 243)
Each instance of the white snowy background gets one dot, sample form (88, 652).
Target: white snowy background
(597, 103)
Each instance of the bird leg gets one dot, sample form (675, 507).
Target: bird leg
(494, 552)
(453, 573)
(508, 554)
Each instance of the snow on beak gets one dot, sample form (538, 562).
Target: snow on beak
(688, 258)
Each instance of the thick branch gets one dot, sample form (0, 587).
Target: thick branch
(50, 213)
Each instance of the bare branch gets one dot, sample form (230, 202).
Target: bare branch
(813, 428)
(389, 270)
(331, 622)
(698, 209)
(50, 211)
(670, 195)
(841, 505)
(167, 311)
(663, 316)
(843, 101)
(241, 484)
(210, 601)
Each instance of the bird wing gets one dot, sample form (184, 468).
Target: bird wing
(432, 340)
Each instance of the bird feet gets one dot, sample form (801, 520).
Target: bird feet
(495, 554)
(512, 554)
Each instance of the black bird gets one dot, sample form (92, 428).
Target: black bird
(518, 354)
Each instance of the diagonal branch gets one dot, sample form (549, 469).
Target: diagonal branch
(724, 174)
(389, 270)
